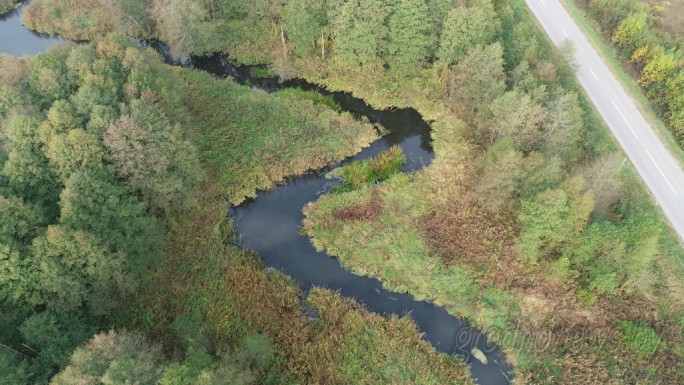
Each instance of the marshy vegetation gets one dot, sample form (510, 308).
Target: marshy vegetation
(114, 218)
(526, 222)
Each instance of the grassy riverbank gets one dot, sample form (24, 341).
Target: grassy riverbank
(253, 140)
(209, 291)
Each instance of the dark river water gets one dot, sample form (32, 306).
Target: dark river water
(17, 40)
(270, 223)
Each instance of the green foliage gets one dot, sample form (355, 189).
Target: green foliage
(631, 32)
(107, 210)
(408, 36)
(640, 338)
(113, 358)
(49, 78)
(466, 27)
(552, 218)
(313, 96)
(477, 80)
(241, 365)
(359, 31)
(610, 256)
(507, 173)
(19, 222)
(260, 73)
(14, 368)
(611, 12)
(75, 240)
(304, 21)
(10, 97)
(26, 169)
(360, 174)
(76, 270)
(563, 127)
(188, 372)
(73, 151)
(517, 115)
(658, 69)
(151, 155)
(438, 11)
(182, 25)
(50, 337)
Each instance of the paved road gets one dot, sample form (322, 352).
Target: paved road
(659, 170)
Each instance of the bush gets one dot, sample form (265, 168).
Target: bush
(313, 96)
(360, 174)
(640, 338)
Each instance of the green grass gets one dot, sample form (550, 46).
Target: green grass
(640, 338)
(312, 96)
(260, 73)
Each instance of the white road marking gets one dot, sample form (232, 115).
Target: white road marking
(565, 34)
(542, 1)
(593, 74)
(661, 172)
(625, 119)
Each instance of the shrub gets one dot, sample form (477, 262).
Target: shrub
(313, 96)
(359, 174)
(640, 338)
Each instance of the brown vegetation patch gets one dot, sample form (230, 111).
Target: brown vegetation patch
(581, 338)
(464, 230)
(669, 15)
(266, 301)
(363, 211)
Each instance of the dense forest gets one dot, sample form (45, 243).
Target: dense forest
(116, 170)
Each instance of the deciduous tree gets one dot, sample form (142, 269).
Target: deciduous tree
(359, 31)
(408, 38)
(114, 358)
(77, 270)
(516, 115)
(553, 217)
(107, 210)
(151, 154)
(477, 80)
(304, 21)
(466, 27)
(562, 127)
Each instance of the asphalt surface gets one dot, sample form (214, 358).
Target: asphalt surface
(657, 167)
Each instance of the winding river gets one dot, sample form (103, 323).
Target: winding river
(278, 212)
